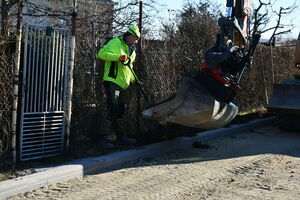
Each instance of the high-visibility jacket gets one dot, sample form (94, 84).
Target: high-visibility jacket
(114, 70)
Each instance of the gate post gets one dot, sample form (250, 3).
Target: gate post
(16, 80)
(70, 75)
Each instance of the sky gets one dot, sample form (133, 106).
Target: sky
(294, 17)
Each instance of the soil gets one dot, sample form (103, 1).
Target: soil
(260, 164)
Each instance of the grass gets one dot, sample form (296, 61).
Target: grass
(252, 111)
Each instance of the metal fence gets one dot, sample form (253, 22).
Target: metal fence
(42, 118)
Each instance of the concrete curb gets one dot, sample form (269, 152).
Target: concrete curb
(78, 168)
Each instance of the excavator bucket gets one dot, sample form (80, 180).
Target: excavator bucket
(285, 99)
(193, 106)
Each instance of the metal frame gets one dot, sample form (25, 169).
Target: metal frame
(44, 91)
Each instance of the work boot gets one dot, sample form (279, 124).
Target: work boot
(104, 132)
(121, 138)
(104, 144)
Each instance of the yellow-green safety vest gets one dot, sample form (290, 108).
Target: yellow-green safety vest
(114, 70)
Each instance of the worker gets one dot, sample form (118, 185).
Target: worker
(118, 54)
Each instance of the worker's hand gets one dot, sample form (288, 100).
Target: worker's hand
(123, 58)
(140, 83)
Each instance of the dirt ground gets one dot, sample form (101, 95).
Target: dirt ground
(260, 164)
(90, 148)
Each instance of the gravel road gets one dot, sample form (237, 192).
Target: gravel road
(261, 164)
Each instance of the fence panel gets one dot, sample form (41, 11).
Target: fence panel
(45, 64)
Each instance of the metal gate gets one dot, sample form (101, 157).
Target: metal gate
(44, 91)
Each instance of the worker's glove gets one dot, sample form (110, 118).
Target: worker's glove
(123, 58)
(134, 47)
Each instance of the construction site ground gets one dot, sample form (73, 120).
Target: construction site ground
(259, 164)
(89, 147)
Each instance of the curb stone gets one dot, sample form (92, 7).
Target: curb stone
(79, 168)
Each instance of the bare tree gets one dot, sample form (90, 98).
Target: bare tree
(6, 6)
(194, 31)
(262, 19)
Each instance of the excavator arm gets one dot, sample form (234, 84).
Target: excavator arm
(203, 100)
(229, 58)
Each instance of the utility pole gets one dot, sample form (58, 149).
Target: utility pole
(141, 25)
(93, 70)
(139, 64)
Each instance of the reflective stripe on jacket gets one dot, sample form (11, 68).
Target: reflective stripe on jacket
(114, 70)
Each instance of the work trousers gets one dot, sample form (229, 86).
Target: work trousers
(116, 100)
